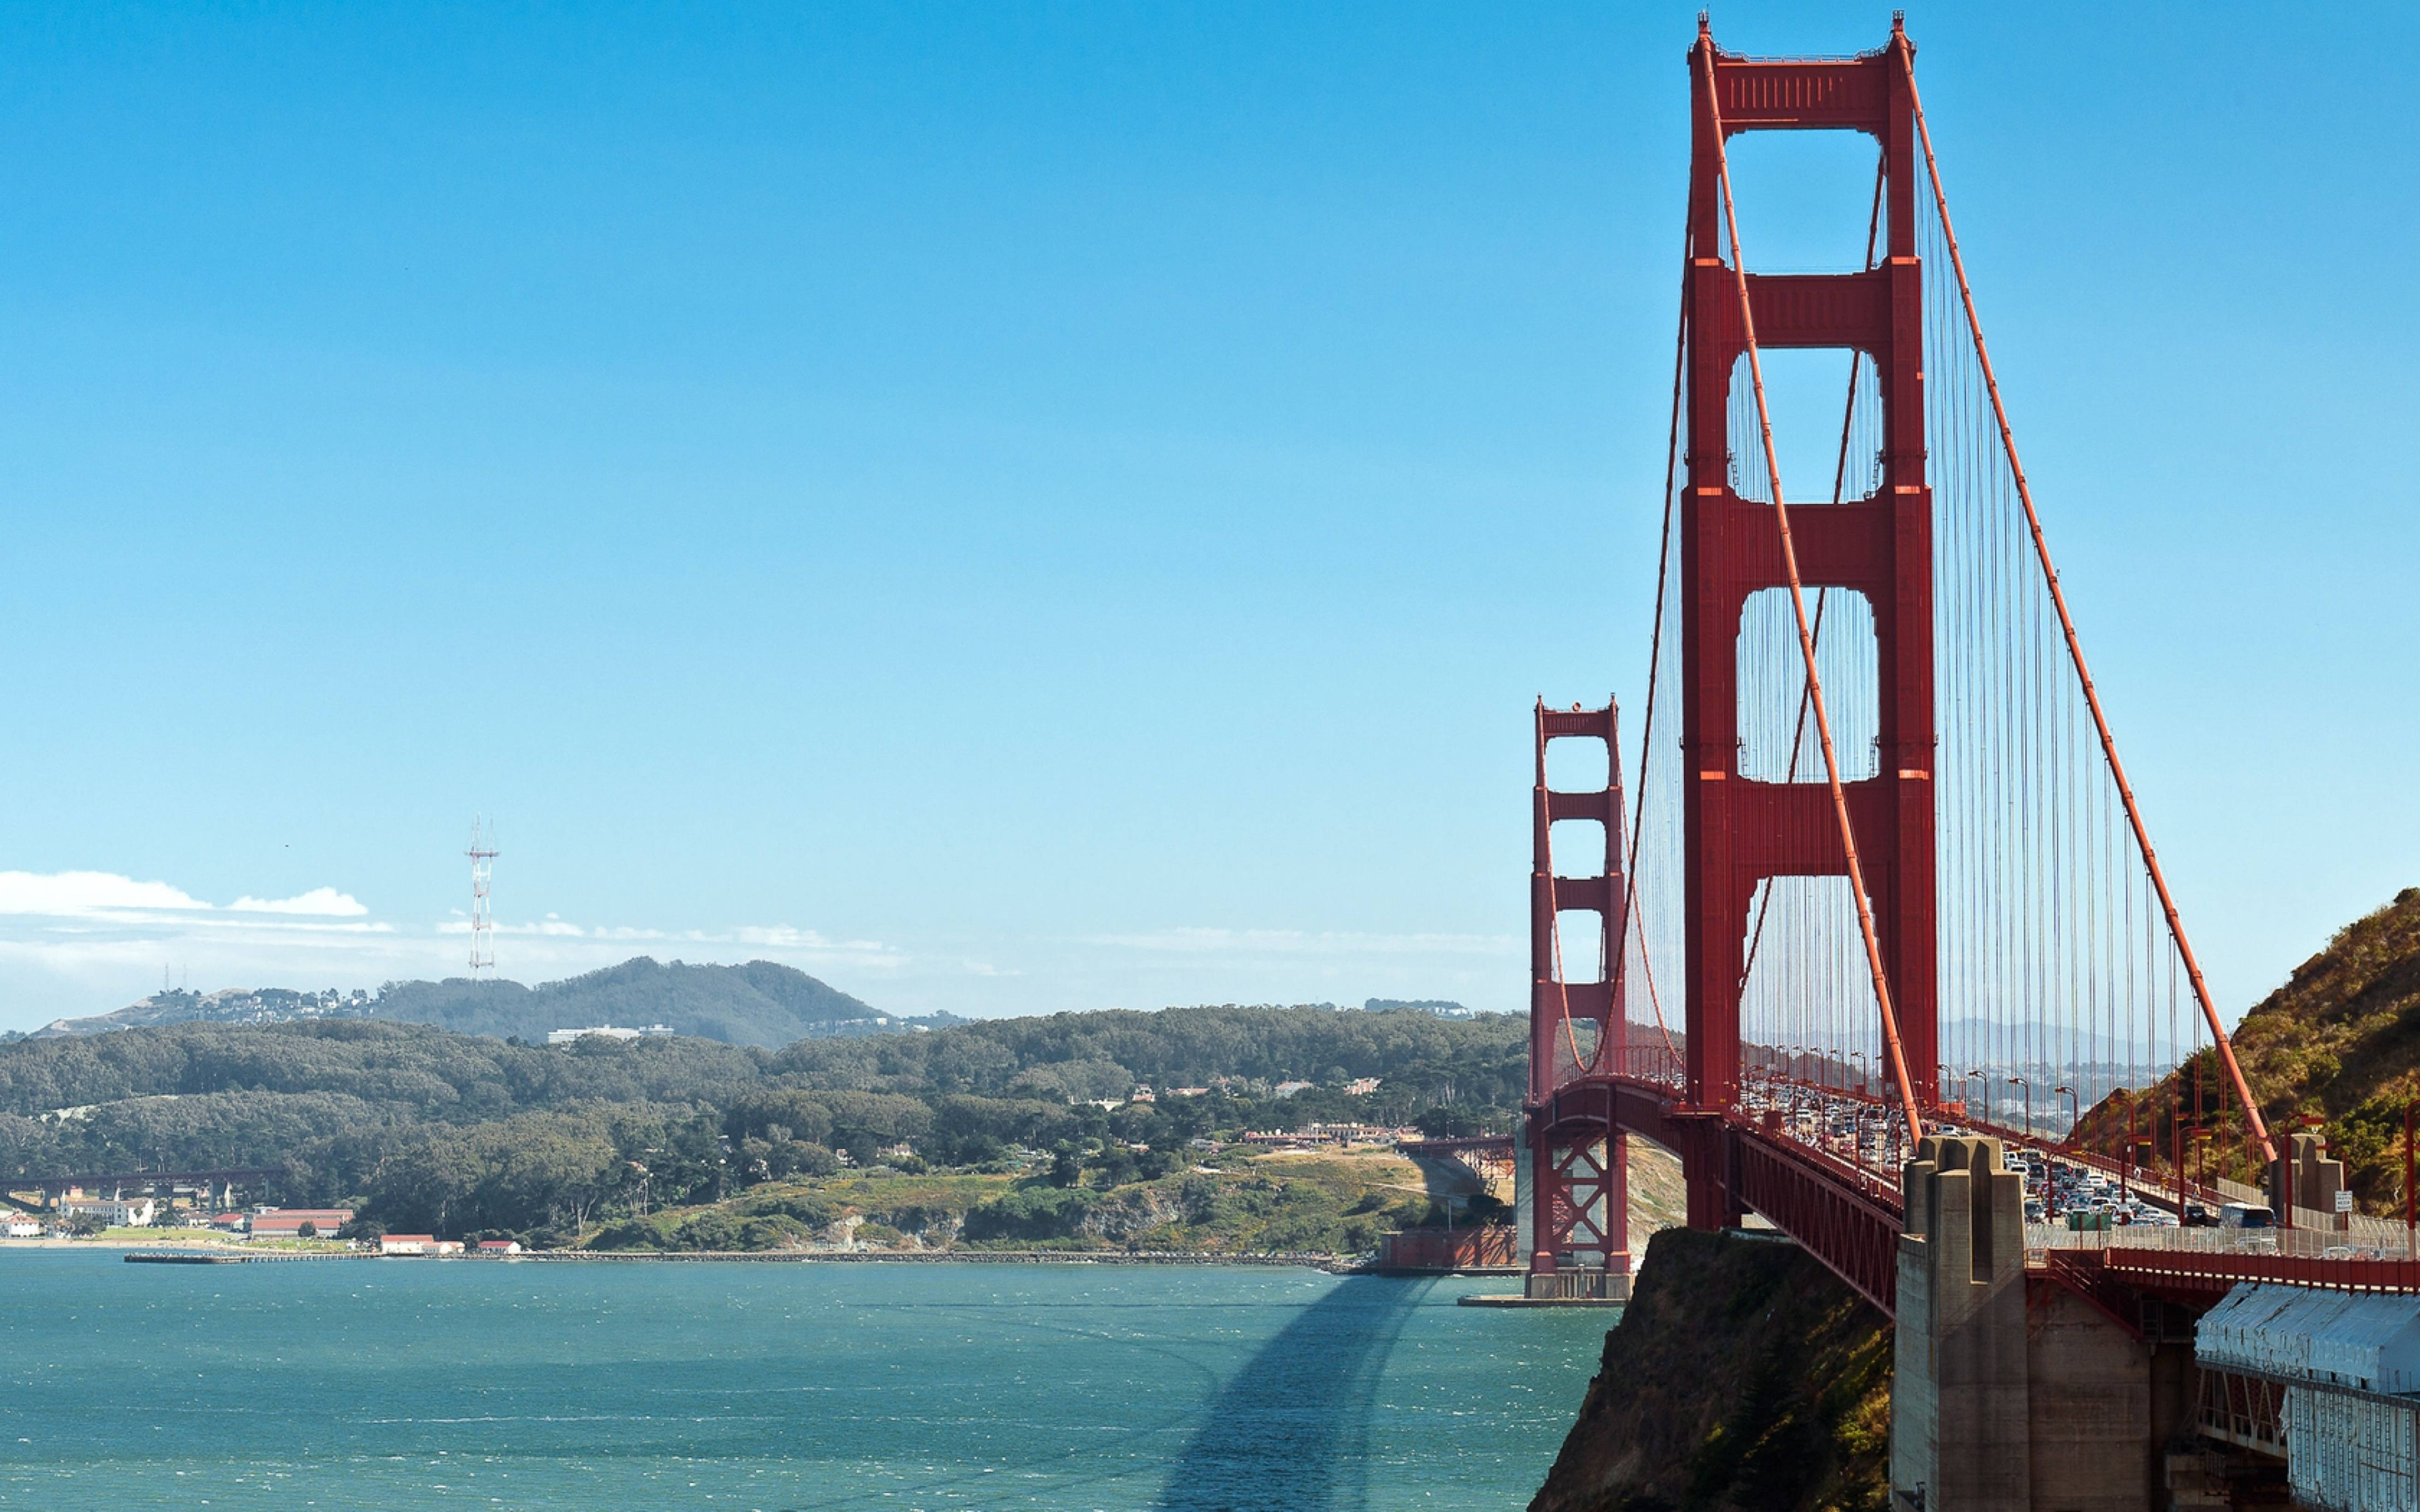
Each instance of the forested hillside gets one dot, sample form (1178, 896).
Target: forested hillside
(428, 1129)
(762, 1003)
(1426, 1060)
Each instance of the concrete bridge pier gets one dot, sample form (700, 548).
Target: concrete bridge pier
(1959, 1421)
(2018, 1396)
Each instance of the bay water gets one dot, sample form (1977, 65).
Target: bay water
(612, 1385)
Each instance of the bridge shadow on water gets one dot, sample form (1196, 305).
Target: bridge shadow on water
(1290, 1432)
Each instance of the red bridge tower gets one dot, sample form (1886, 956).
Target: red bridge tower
(1578, 1238)
(1741, 830)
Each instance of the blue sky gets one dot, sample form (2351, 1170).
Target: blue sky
(1025, 507)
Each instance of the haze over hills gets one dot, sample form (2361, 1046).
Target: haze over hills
(762, 1003)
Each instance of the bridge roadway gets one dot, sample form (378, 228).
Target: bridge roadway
(1840, 1198)
(54, 1185)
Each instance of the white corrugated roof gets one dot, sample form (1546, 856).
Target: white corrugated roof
(2345, 1338)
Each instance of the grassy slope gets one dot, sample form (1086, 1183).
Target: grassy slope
(1658, 1198)
(2340, 1040)
(1246, 1204)
(1243, 1204)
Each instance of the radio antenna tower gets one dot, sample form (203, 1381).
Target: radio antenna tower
(483, 853)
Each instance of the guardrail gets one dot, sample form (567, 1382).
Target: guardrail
(2317, 1244)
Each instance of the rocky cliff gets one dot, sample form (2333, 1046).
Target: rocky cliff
(1741, 1376)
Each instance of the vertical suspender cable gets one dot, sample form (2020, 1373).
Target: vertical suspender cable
(1798, 607)
(2067, 623)
(1617, 971)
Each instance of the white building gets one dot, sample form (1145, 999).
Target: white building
(418, 1244)
(23, 1226)
(607, 1031)
(130, 1213)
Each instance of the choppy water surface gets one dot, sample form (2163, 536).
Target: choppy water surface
(362, 1383)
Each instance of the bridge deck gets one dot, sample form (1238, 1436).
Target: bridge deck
(1846, 1211)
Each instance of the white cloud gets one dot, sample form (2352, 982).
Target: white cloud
(324, 901)
(87, 894)
(107, 895)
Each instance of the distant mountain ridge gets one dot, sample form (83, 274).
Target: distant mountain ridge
(761, 1003)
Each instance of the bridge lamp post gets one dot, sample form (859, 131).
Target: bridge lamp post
(1864, 1076)
(2411, 1209)
(2019, 1080)
(1974, 1075)
(2176, 1155)
(2075, 1111)
(2127, 1170)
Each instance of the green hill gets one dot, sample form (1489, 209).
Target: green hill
(762, 1003)
(2339, 1042)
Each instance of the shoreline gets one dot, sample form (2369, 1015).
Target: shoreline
(996, 1257)
(230, 1255)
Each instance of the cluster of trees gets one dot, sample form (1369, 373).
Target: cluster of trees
(1423, 1061)
(429, 1131)
(430, 1072)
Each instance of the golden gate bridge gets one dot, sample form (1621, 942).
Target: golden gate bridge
(1875, 903)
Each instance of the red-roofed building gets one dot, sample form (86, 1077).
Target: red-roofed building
(287, 1223)
(499, 1246)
